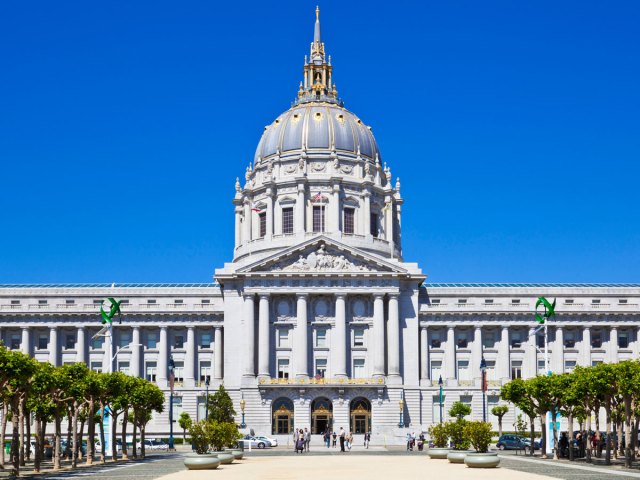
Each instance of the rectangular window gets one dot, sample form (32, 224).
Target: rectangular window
(515, 301)
(178, 301)
(321, 337)
(205, 301)
(358, 337)
(15, 302)
(541, 369)
(70, 341)
(205, 371)
(596, 340)
(540, 340)
(283, 337)
(124, 339)
(488, 339)
(205, 340)
(623, 301)
(466, 400)
(97, 343)
(15, 342)
(516, 369)
(321, 367)
(358, 368)
(569, 301)
(152, 339)
(373, 226)
(96, 367)
(177, 408)
(283, 368)
(178, 372)
(436, 370)
(435, 301)
(623, 340)
(462, 301)
(69, 302)
(262, 219)
(462, 342)
(349, 221)
(178, 341)
(202, 406)
(435, 340)
(463, 370)
(491, 370)
(123, 367)
(569, 366)
(595, 362)
(488, 301)
(516, 340)
(287, 221)
(569, 340)
(43, 342)
(96, 301)
(151, 369)
(42, 302)
(318, 218)
(151, 301)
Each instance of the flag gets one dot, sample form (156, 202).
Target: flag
(254, 208)
(484, 381)
(318, 197)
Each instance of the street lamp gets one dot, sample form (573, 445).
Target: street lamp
(172, 367)
(401, 405)
(483, 370)
(206, 412)
(242, 405)
(440, 384)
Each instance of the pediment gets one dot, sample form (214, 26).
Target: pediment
(322, 255)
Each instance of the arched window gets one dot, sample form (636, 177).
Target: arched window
(282, 416)
(360, 415)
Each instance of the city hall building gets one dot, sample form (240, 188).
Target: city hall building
(318, 320)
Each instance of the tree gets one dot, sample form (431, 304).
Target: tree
(500, 411)
(221, 407)
(185, 423)
(516, 393)
(41, 404)
(145, 398)
(628, 383)
(459, 410)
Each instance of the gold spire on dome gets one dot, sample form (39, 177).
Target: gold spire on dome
(318, 83)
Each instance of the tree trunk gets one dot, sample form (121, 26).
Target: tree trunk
(3, 431)
(21, 429)
(15, 441)
(37, 459)
(135, 437)
(57, 440)
(634, 439)
(142, 429)
(556, 450)
(533, 433)
(589, 437)
(102, 444)
(570, 422)
(44, 436)
(69, 435)
(114, 435)
(607, 456)
(27, 416)
(544, 436)
(184, 439)
(81, 439)
(91, 432)
(597, 415)
(621, 444)
(125, 418)
(74, 421)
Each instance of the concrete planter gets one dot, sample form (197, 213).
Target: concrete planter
(207, 461)
(439, 453)
(225, 457)
(457, 456)
(482, 460)
(237, 454)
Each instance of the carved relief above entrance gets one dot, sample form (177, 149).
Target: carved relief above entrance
(320, 260)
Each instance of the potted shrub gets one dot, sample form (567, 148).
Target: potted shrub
(440, 438)
(459, 440)
(480, 434)
(201, 440)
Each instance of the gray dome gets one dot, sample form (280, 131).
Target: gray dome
(317, 127)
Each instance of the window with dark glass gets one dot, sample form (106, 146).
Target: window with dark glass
(262, 220)
(318, 218)
(70, 341)
(178, 341)
(43, 342)
(623, 340)
(374, 224)
(516, 369)
(349, 223)
(596, 340)
(287, 220)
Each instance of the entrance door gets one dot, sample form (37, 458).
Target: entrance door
(359, 424)
(282, 423)
(321, 415)
(360, 415)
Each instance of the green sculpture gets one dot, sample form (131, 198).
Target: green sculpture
(549, 310)
(115, 309)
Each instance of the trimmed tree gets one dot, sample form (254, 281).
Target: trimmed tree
(499, 411)
(185, 423)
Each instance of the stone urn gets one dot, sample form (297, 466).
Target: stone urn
(457, 456)
(482, 460)
(225, 457)
(237, 454)
(205, 461)
(438, 452)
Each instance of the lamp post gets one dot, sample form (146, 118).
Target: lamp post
(401, 420)
(206, 412)
(483, 370)
(172, 366)
(440, 384)
(242, 405)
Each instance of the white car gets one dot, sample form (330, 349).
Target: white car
(153, 444)
(272, 441)
(253, 442)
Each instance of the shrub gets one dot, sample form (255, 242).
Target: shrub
(479, 434)
(456, 432)
(459, 410)
(439, 434)
(211, 434)
(199, 437)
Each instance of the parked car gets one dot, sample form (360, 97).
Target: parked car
(272, 441)
(153, 444)
(63, 447)
(98, 446)
(253, 442)
(516, 442)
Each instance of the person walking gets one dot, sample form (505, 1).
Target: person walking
(327, 437)
(349, 440)
(301, 440)
(295, 440)
(342, 435)
(335, 436)
(307, 439)
(367, 439)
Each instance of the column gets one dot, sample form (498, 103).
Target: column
(269, 201)
(504, 365)
(136, 349)
(263, 336)
(25, 344)
(424, 354)
(476, 356)
(53, 346)
(250, 336)
(636, 345)
(335, 209)
(531, 359)
(367, 214)
(393, 336)
(558, 352)
(246, 231)
(300, 205)
(339, 365)
(586, 347)
(613, 345)
(163, 357)
(217, 361)
(81, 348)
(190, 358)
(238, 226)
(378, 335)
(449, 367)
(301, 354)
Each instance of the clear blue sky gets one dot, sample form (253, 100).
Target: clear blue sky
(514, 126)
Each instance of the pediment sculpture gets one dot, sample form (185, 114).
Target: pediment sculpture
(320, 260)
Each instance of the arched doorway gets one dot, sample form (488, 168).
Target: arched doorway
(282, 411)
(321, 415)
(360, 415)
